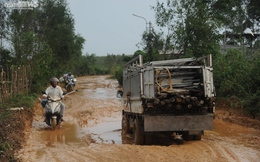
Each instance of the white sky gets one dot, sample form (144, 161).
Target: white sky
(108, 26)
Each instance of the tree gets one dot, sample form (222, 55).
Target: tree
(231, 15)
(60, 35)
(137, 53)
(112, 62)
(190, 26)
(44, 38)
(77, 52)
(232, 74)
(86, 65)
(153, 43)
(254, 10)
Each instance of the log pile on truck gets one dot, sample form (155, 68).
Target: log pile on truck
(173, 96)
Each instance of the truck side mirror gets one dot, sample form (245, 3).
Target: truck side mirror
(119, 94)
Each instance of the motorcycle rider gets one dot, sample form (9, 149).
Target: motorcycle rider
(67, 78)
(55, 91)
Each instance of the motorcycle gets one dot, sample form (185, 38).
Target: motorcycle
(53, 117)
(70, 84)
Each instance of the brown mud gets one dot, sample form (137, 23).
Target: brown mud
(92, 132)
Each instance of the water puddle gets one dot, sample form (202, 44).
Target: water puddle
(100, 93)
(108, 132)
(71, 134)
(66, 134)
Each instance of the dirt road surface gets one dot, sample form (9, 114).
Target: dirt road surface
(92, 132)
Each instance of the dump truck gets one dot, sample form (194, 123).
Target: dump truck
(170, 96)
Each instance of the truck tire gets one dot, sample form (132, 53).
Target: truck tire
(125, 125)
(138, 137)
(148, 139)
(187, 137)
(197, 137)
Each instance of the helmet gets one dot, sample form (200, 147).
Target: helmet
(53, 79)
(69, 73)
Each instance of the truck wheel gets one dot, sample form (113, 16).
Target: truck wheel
(148, 139)
(125, 125)
(197, 137)
(190, 138)
(138, 137)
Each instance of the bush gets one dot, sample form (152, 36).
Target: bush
(238, 75)
(13, 123)
(119, 75)
(232, 75)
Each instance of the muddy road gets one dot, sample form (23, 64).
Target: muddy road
(92, 132)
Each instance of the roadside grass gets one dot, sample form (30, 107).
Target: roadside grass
(12, 124)
(21, 101)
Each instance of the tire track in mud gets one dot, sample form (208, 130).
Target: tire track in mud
(216, 150)
(89, 107)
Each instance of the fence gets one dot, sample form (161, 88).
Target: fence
(14, 81)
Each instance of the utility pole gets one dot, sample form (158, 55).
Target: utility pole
(1, 23)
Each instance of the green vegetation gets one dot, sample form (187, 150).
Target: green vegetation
(44, 38)
(10, 122)
(4, 151)
(21, 100)
(237, 75)
(193, 28)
